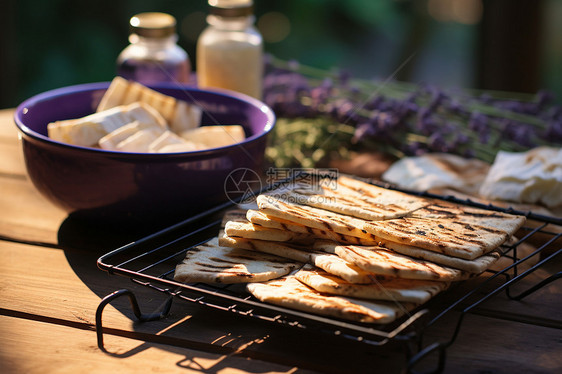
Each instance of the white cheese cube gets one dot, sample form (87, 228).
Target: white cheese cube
(140, 141)
(180, 147)
(166, 138)
(178, 114)
(86, 134)
(88, 130)
(111, 140)
(186, 117)
(215, 136)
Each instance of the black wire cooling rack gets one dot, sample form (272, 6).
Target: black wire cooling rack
(151, 262)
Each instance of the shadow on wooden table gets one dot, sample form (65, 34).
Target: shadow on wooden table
(228, 339)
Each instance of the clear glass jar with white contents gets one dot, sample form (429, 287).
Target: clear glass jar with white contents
(153, 55)
(230, 49)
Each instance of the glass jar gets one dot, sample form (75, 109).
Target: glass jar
(230, 49)
(153, 55)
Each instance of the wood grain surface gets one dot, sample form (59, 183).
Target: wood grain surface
(50, 288)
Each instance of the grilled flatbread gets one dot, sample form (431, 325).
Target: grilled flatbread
(211, 263)
(361, 200)
(245, 229)
(379, 260)
(235, 215)
(451, 236)
(444, 228)
(492, 220)
(313, 217)
(331, 263)
(386, 288)
(260, 219)
(291, 293)
(293, 252)
(476, 266)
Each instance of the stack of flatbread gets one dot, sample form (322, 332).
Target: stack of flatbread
(349, 249)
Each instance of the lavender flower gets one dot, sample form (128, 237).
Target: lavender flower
(363, 130)
(408, 119)
(554, 130)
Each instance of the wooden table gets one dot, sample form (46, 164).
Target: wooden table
(50, 288)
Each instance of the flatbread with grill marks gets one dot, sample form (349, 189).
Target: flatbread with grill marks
(476, 266)
(460, 235)
(492, 220)
(259, 218)
(331, 263)
(289, 292)
(211, 263)
(313, 217)
(465, 232)
(248, 230)
(378, 260)
(386, 288)
(367, 202)
(450, 236)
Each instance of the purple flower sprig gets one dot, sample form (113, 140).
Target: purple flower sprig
(406, 119)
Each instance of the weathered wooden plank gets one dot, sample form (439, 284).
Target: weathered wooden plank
(65, 287)
(10, 148)
(48, 299)
(541, 307)
(8, 130)
(491, 345)
(36, 347)
(12, 164)
(26, 215)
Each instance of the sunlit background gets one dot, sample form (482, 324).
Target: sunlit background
(486, 44)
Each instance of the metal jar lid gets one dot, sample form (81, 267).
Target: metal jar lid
(231, 8)
(153, 25)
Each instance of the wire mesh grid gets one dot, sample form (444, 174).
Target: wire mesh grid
(151, 262)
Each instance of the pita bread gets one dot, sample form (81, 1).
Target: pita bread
(289, 292)
(245, 229)
(337, 266)
(387, 288)
(532, 177)
(440, 228)
(313, 217)
(507, 223)
(236, 215)
(476, 266)
(465, 234)
(379, 260)
(280, 249)
(361, 200)
(211, 263)
(441, 209)
(331, 263)
(258, 218)
(438, 170)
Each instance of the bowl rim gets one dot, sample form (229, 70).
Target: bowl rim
(23, 107)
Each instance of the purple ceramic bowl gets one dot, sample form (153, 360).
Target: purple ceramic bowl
(129, 187)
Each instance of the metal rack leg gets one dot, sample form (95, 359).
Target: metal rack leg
(136, 310)
(537, 286)
(441, 349)
(540, 284)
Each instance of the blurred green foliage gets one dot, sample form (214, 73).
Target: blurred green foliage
(50, 44)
